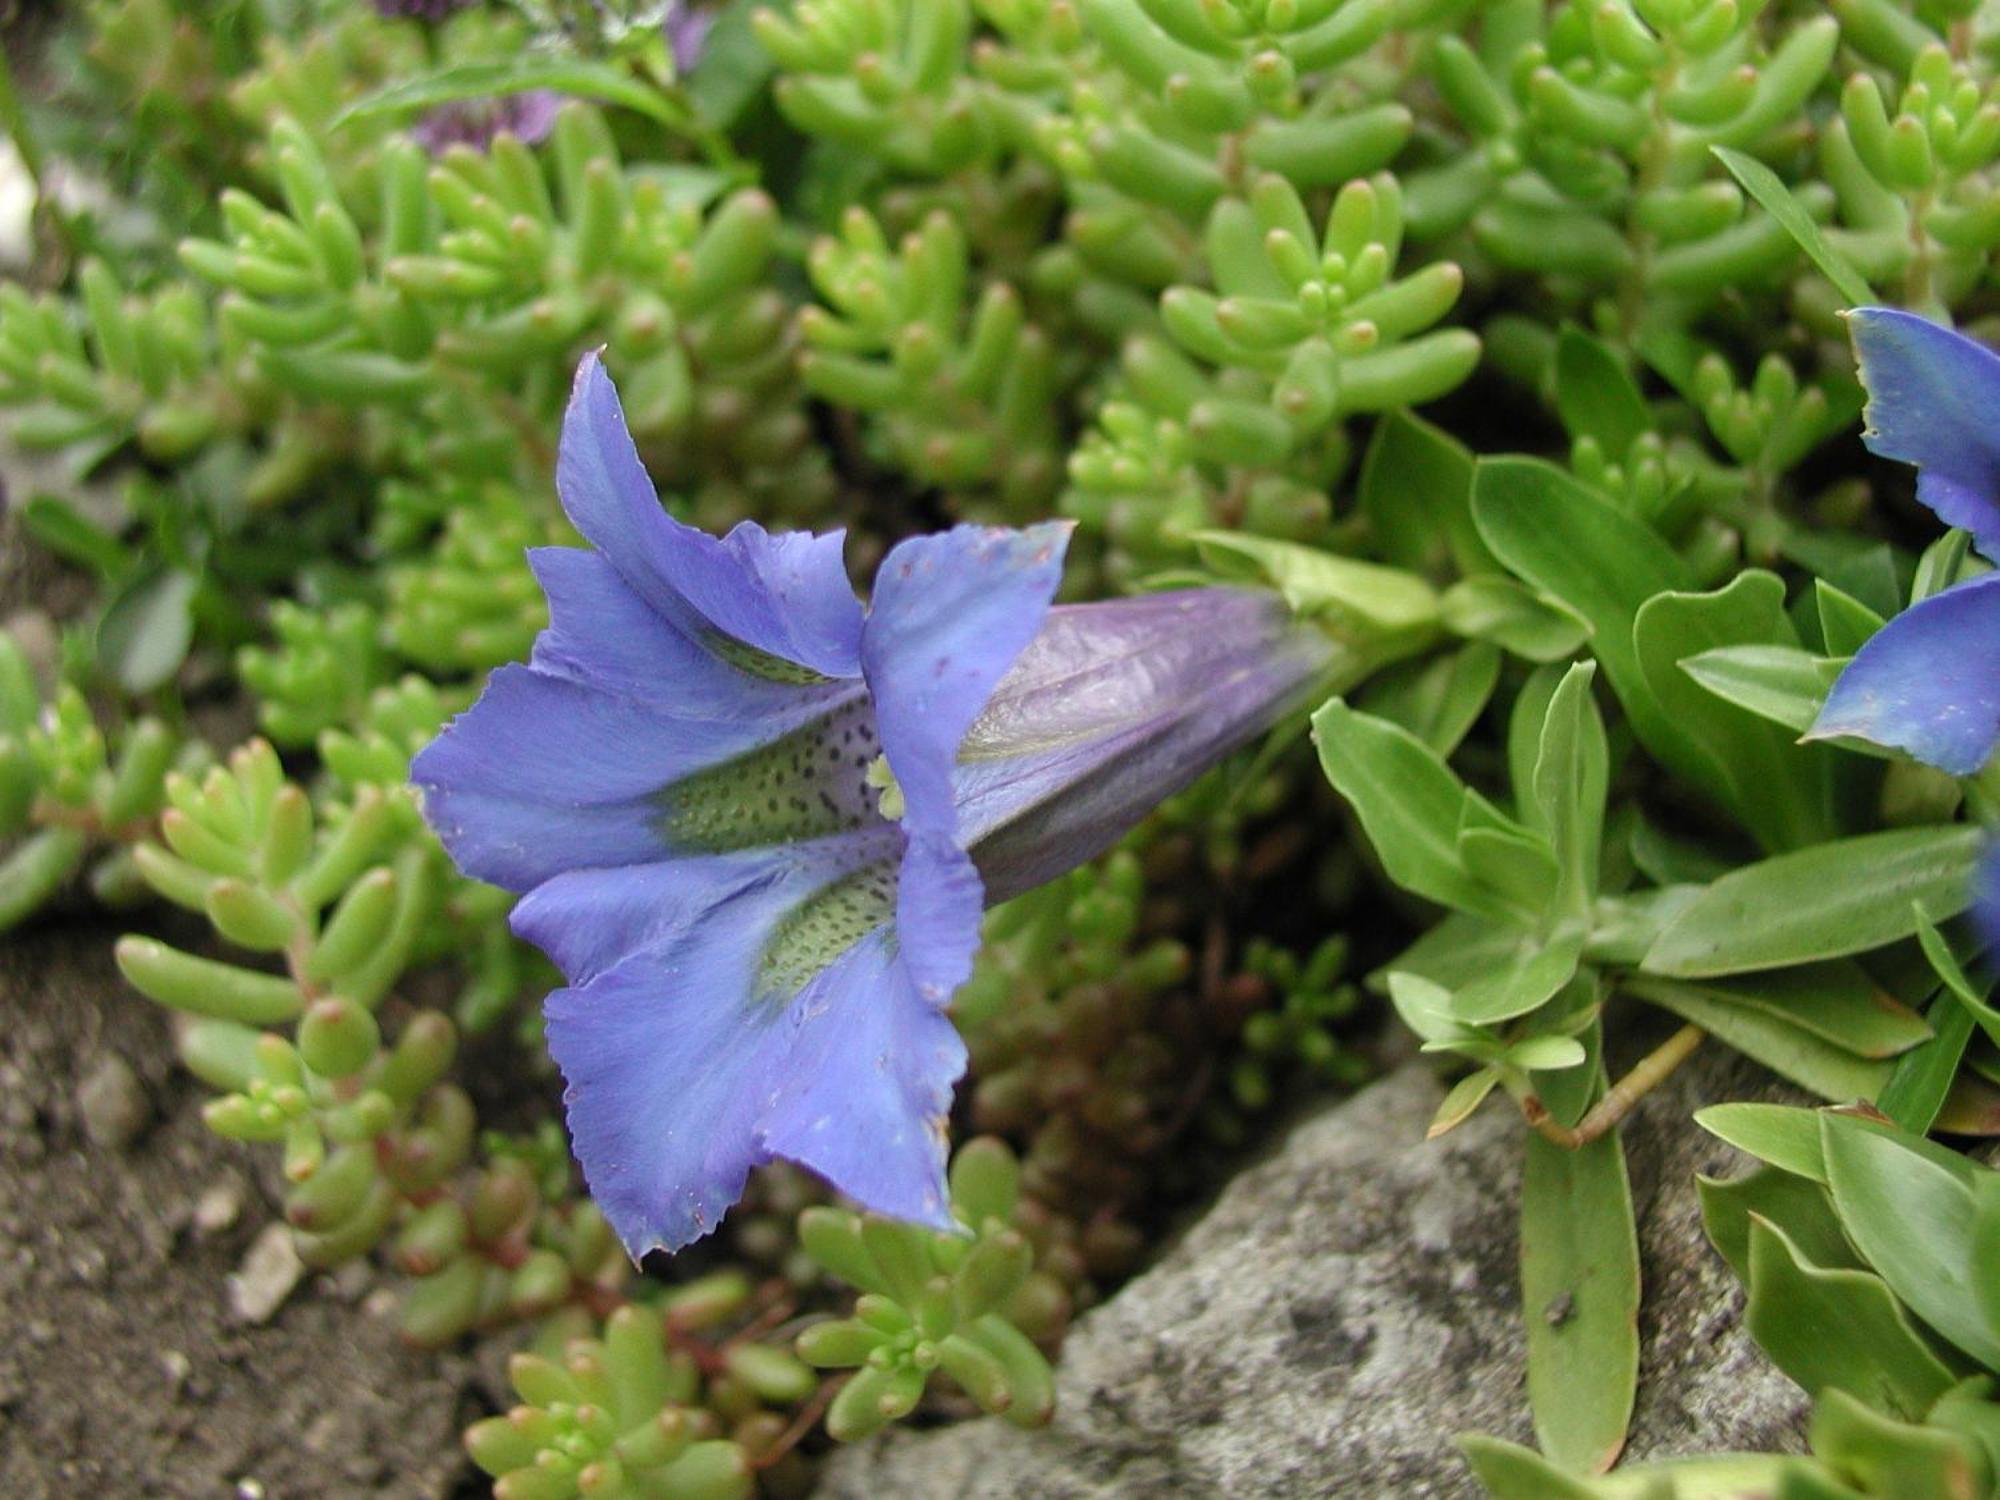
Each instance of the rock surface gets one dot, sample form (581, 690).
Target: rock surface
(1350, 1304)
(113, 1103)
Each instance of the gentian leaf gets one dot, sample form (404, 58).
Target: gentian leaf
(1580, 1297)
(1913, 1221)
(1837, 1328)
(1840, 897)
(515, 75)
(1761, 183)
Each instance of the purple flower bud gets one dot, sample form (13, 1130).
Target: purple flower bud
(528, 117)
(755, 824)
(420, 10)
(686, 28)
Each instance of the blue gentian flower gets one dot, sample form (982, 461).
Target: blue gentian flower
(755, 824)
(1928, 682)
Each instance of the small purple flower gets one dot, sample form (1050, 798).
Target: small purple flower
(528, 116)
(420, 10)
(755, 824)
(686, 29)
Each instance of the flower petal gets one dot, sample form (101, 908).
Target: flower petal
(787, 597)
(950, 614)
(604, 634)
(1934, 401)
(667, 1063)
(1986, 898)
(869, 1083)
(544, 774)
(587, 920)
(1928, 682)
(938, 901)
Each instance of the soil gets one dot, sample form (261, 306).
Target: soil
(123, 1370)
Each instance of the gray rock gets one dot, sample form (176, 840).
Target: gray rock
(271, 1269)
(219, 1206)
(1350, 1304)
(113, 1103)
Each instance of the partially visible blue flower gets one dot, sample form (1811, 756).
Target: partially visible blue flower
(1928, 682)
(686, 29)
(528, 116)
(755, 824)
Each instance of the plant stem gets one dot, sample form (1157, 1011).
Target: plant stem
(1647, 1074)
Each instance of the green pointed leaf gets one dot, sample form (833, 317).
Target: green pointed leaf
(1465, 1096)
(1595, 395)
(1779, 789)
(1986, 1244)
(1784, 1135)
(1518, 987)
(1546, 1054)
(1416, 490)
(1947, 968)
(1837, 1329)
(1565, 800)
(1916, 1091)
(147, 630)
(1317, 582)
(1453, 953)
(1799, 1207)
(1409, 802)
(1844, 896)
(1781, 683)
(1761, 183)
(515, 75)
(1890, 1458)
(1510, 1472)
(1423, 1006)
(1788, 1050)
(1438, 699)
(1526, 621)
(1913, 1221)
